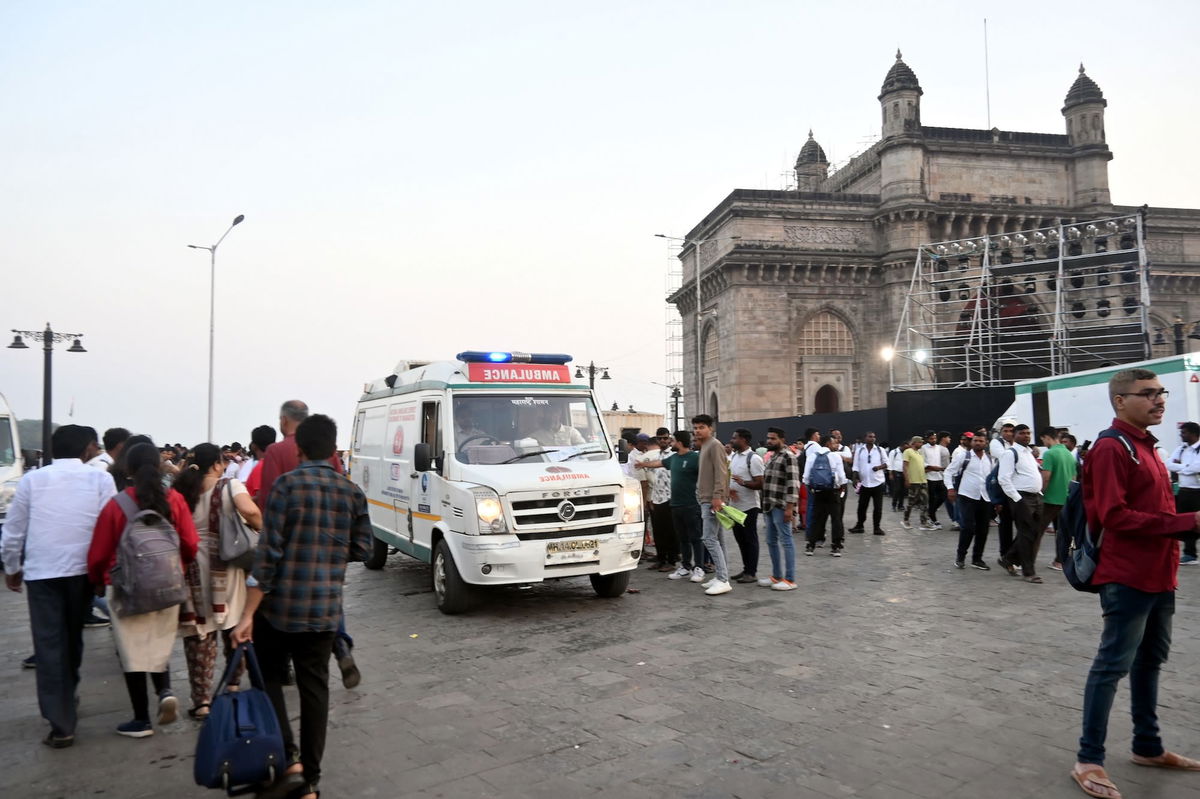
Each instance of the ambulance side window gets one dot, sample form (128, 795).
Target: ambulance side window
(431, 431)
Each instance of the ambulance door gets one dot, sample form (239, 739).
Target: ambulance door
(397, 456)
(427, 487)
(368, 468)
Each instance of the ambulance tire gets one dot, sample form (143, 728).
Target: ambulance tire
(610, 585)
(452, 593)
(378, 556)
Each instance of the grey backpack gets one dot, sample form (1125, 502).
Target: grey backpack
(148, 575)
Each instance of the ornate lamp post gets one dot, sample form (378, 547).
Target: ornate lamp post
(48, 338)
(590, 370)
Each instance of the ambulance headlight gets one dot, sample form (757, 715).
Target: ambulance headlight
(632, 504)
(490, 511)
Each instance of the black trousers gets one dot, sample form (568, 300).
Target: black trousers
(870, 495)
(826, 505)
(974, 516)
(899, 494)
(309, 653)
(666, 542)
(1027, 516)
(57, 608)
(937, 497)
(1004, 528)
(746, 536)
(1188, 501)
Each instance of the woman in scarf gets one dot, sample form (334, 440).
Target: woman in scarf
(218, 590)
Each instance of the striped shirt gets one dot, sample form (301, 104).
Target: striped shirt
(315, 522)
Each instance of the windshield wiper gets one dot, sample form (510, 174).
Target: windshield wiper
(516, 458)
(585, 452)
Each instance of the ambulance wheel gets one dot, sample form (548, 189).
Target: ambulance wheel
(378, 556)
(453, 594)
(610, 585)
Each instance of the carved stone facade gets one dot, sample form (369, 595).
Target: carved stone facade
(801, 290)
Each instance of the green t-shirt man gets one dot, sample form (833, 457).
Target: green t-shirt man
(914, 466)
(1059, 461)
(685, 469)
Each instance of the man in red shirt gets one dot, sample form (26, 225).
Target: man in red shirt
(1131, 500)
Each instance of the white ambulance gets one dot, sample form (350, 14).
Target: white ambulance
(495, 468)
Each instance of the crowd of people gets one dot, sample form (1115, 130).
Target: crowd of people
(66, 542)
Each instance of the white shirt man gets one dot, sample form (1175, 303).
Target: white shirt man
(971, 473)
(866, 459)
(1019, 473)
(825, 504)
(102, 461)
(935, 455)
(1185, 462)
(745, 465)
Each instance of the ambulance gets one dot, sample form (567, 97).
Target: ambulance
(12, 465)
(494, 468)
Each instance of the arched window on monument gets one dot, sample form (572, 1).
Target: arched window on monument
(712, 348)
(827, 371)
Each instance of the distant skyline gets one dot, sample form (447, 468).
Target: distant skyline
(418, 180)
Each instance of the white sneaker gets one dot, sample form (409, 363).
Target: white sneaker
(719, 587)
(709, 583)
(697, 575)
(678, 574)
(928, 527)
(936, 525)
(784, 585)
(905, 525)
(765, 582)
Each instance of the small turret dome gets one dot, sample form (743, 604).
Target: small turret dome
(811, 152)
(900, 76)
(1083, 90)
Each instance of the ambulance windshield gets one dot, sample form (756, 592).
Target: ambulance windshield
(507, 428)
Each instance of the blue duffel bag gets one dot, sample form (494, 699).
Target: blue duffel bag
(240, 745)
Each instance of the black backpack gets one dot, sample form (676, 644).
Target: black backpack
(1084, 556)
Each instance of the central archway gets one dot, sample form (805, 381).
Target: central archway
(827, 400)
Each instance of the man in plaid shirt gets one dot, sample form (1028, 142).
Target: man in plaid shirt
(780, 493)
(315, 522)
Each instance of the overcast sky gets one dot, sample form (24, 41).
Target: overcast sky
(423, 178)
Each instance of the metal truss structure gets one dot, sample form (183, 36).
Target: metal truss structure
(994, 309)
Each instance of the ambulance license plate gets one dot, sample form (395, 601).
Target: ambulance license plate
(579, 549)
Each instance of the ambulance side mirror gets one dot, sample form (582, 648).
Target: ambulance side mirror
(422, 458)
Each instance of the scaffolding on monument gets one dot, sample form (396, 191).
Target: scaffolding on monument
(674, 344)
(996, 308)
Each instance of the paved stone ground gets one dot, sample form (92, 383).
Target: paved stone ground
(888, 674)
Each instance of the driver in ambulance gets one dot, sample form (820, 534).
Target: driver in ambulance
(550, 432)
(465, 429)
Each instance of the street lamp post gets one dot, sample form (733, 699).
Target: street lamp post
(590, 371)
(212, 312)
(697, 244)
(48, 338)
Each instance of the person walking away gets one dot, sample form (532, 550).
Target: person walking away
(261, 437)
(824, 474)
(870, 467)
(745, 480)
(968, 473)
(712, 489)
(1060, 465)
(114, 442)
(961, 451)
(643, 451)
(144, 640)
(1021, 479)
(915, 485)
(812, 439)
(780, 497)
(278, 459)
(896, 471)
(1184, 463)
(44, 544)
(315, 523)
(218, 589)
(1129, 498)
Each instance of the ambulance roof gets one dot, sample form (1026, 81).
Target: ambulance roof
(422, 375)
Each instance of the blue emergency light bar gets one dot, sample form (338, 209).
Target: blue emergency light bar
(473, 356)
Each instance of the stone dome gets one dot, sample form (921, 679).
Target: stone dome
(811, 152)
(900, 76)
(1083, 90)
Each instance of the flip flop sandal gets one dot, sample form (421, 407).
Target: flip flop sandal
(1170, 760)
(199, 712)
(1096, 776)
(1034, 579)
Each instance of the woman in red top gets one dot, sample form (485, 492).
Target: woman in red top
(145, 640)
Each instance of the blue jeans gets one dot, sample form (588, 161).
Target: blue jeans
(686, 520)
(1135, 641)
(779, 531)
(711, 537)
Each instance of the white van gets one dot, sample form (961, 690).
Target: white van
(1079, 401)
(12, 465)
(495, 468)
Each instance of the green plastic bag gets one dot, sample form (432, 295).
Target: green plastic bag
(728, 516)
